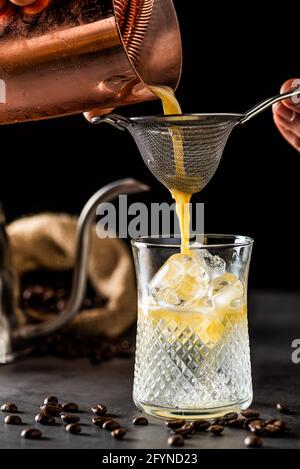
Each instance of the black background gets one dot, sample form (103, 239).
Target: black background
(234, 56)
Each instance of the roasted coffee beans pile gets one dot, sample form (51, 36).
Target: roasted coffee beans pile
(249, 420)
(51, 409)
(179, 429)
(47, 293)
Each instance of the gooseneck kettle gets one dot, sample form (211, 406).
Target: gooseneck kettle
(16, 339)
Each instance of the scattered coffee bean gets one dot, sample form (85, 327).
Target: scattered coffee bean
(236, 423)
(99, 409)
(217, 429)
(140, 421)
(230, 416)
(73, 428)
(185, 430)
(175, 423)
(70, 407)
(31, 433)
(111, 425)
(257, 428)
(119, 433)
(99, 421)
(52, 409)
(254, 422)
(13, 420)
(51, 400)
(200, 425)
(250, 413)
(44, 419)
(282, 407)
(9, 407)
(253, 441)
(176, 440)
(282, 425)
(219, 421)
(247, 422)
(67, 418)
(271, 430)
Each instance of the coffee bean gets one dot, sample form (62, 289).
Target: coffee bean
(9, 407)
(217, 429)
(200, 425)
(175, 423)
(219, 421)
(247, 422)
(99, 409)
(37, 290)
(51, 409)
(230, 416)
(176, 440)
(282, 425)
(27, 294)
(253, 441)
(119, 433)
(111, 425)
(271, 430)
(282, 407)
(250, 413)
(60, 305)
(13, 420)
(67, 418)
(236, 423)
(44, 419)
(99, 421)
(51, 400)
(256, 422)
(48, 294)
(140, 421)
(185, 430)
(73, 428)
(70, 407)
(257, 428)
(31, 433)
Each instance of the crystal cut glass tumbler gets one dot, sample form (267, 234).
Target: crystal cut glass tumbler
(192, 352)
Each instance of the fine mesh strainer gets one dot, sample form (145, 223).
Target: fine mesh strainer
(183, 151)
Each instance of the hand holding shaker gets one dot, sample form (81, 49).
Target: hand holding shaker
(60, 57)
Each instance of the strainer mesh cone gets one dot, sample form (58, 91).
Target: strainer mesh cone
(183, 152)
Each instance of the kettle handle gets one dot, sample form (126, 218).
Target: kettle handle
(106, 194)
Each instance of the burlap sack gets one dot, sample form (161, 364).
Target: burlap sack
(47, 241)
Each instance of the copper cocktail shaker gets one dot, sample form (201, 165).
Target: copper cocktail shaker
(60, 57)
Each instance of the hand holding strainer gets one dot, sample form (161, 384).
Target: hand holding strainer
(183, 151)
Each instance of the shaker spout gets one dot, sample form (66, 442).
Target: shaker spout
(85, 222)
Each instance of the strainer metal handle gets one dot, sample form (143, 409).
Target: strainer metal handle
(266, 103)
(122, 123)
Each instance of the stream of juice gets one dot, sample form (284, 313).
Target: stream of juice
(182, 199)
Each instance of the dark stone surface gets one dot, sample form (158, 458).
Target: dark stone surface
(274, 322)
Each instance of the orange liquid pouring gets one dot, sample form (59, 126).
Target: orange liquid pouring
(182, 199)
